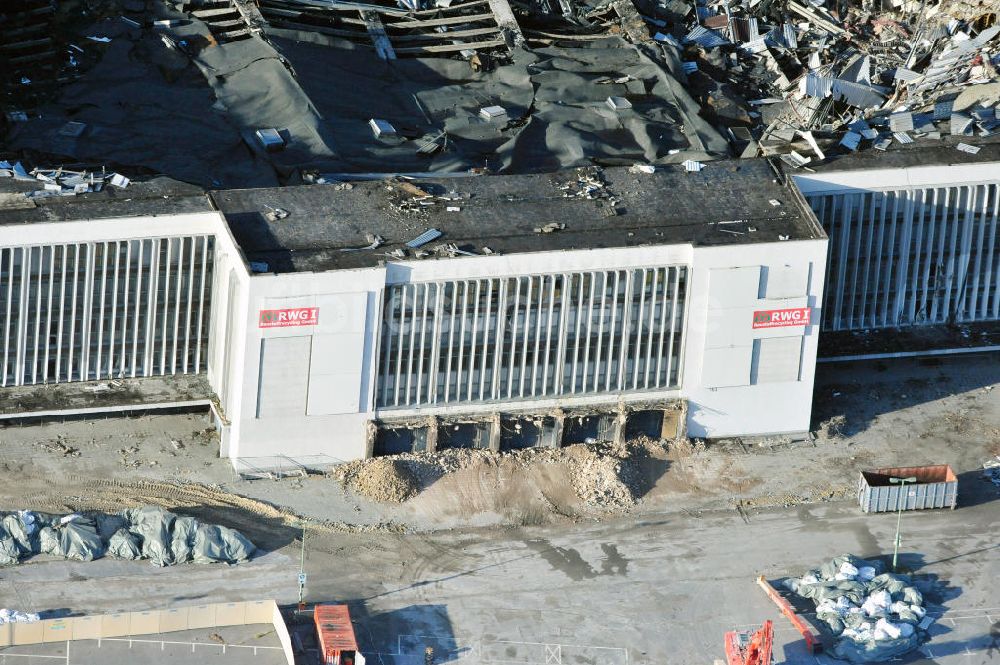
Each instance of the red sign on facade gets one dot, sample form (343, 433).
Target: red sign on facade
(781, 318)
(282, 318)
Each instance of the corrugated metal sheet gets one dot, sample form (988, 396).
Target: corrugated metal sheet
(911, 256)
(705, 37)
(515, 338)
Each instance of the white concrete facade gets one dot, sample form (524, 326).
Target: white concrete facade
(718, 324)
(321, 376)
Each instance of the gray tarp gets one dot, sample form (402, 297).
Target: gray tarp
(125, 545)
(153, 526)
(79, 540)
(217, 543)
(182, 540)
(190, 112)
(140, 533)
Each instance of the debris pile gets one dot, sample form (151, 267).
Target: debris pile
(798, 78)
(875, 615)
(16, 616)
(383, 479)
(603, 476)
(991, 470)
(62, 182)
(137, 533)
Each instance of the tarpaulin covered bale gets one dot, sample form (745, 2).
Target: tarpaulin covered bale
(874, 615)
(125, 545)
(79, 540)
(140, 533)
(217, 543)
(182, 540)
(153, 526)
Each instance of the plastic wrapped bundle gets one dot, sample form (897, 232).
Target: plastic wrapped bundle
(79, 540)
(153, 526)
(217, 543)
(125, 545)
(182, 539)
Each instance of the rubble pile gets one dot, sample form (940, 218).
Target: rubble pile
(384, 479)
(798, 78)
(875, 615)
(16, 616)
(603, 475)
(61, 182)
(991, 470)
(137, 533)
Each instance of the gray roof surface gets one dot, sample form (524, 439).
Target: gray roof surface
(923, 153)
(727, 203)
(159, 196)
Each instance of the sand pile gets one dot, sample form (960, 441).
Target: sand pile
(382, 479)
(603, 476)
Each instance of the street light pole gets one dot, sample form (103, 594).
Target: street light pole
(899, 513)
(302, 569)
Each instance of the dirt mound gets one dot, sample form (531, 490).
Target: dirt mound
(603, 476)
(382, 479)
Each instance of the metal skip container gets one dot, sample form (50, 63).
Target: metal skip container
(936, 487)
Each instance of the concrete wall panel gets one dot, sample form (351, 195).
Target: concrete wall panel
(143, 623)
(115, 625)
(174, 620)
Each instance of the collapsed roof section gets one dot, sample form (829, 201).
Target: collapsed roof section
(227, 93)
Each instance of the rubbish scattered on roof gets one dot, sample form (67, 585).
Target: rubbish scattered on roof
(691, 166)
(424, 238)
(374, 241)
(965, 147)
(550, 227)
(275, 214)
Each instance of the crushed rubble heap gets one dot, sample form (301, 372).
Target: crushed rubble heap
(875, 615)
(604, 476)
(805, 77)
(137, 533)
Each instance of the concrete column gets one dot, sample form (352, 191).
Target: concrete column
(371, 431)
(494, 440)
(621, 417)
(432, 434)
(559, 416)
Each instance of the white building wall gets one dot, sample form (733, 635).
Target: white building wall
(727, 395)
(328, 411)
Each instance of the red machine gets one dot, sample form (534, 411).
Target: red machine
(335, 633)
(750, 648)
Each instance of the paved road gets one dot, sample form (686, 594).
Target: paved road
(625, 592)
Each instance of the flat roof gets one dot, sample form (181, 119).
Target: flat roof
(727, 203)
(158, 196)
(942, 152)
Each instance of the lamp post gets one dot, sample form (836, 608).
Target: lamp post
(302, 569)
(899, 515)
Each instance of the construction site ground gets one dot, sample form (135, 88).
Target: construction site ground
(507, 560)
